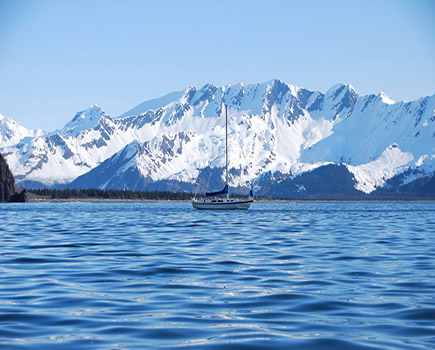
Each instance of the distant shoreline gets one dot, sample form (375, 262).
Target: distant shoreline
(38, 199)
(110, 196)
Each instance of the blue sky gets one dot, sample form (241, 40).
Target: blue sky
(59, 57)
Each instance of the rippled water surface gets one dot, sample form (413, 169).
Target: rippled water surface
(163, 275)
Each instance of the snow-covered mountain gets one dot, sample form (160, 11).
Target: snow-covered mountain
(11, 132)
(380, 139)
(274, 128)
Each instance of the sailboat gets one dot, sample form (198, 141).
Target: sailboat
(221, 200)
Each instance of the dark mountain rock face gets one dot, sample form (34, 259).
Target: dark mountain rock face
(326, 182)
(7, 182)
(423, 188)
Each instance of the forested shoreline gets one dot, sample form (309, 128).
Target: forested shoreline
(110, 194)
(97, 194)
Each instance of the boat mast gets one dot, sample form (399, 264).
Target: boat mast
(226, 145)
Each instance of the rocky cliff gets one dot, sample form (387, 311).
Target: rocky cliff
(7, 182)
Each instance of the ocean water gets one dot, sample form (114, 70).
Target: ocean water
(163, 275)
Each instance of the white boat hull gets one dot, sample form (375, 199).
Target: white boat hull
(231, 204)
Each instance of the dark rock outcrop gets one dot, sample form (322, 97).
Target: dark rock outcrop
(7, 185)
(7, 182)
(18, 197)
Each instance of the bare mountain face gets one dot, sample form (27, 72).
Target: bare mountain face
(277, 133)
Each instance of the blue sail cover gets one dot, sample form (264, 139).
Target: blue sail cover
(218, 193)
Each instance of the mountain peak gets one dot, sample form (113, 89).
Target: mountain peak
(130, 150)
(189, 89)
(133, 145)
(83, 120)
(90, 112)
(350, 86)
(208, 86)
(11, 132)
(384, 97)
(278, 82)
(336, 89)
(340, 99)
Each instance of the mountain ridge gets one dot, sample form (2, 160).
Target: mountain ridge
(274, 127)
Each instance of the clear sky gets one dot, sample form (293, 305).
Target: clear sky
(59, 57)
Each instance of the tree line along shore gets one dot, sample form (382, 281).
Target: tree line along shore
(45, 194)
(98, 194)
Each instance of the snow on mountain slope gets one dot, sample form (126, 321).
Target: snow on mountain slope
(273, 127)
(371, 175)
(138, 164)
(265, 117)
(12, 133)
(153, 104)
(119, 171)
(380, 139)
